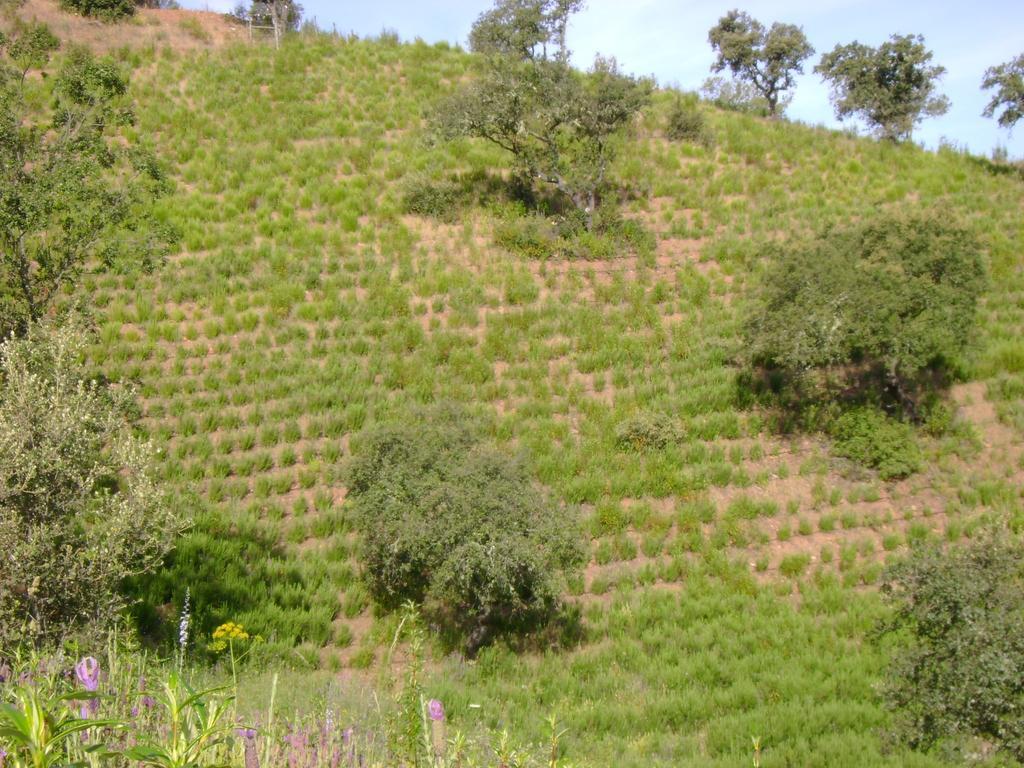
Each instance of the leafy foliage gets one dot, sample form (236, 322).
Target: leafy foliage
(739, 96)
(455, 524)
(107, 10)
(961, 614)
(427, 196)
(869, 437)
(523, 29)
(892, 87)
(647, 432)
(43, 731)
(560, 126)
(72, 193)
(282, 15)
(198, 726)
(768, 59)
(885, 305)
(80, 507)
(686, 123)
(1008, 80)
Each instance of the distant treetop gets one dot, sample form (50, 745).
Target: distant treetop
(892, 87)
(1008, 80)
(768, 59)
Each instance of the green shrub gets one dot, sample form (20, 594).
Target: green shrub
(590, 246)
(426, 196)
(869, 437)
(793, 566)
(646, 431)
(80, 505)
(529, 236)
(108, 10)
(455, 524)
(686, 123)
(960, 615)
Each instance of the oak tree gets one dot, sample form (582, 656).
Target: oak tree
(1008, 81)
(892, 87)
(768, 59)
(75, 195)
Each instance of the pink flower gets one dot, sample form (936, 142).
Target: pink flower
(436, 710)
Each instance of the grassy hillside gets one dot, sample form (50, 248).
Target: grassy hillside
(728, 596)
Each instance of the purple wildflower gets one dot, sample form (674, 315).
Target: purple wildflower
(3, 757)
(5, 675)
(252, 760)
(147, 701)
(436, 710)
(88, 673)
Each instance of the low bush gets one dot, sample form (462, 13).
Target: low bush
(738, 96)
(871, 438)
(455, 524)
(686, 123)
(644, 432)
(529, 236)
(537, 237)
(425, 195)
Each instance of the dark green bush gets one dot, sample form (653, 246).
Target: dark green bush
(455, 524)
(686, 123)
(108, 10)
(874, 440)
(960, 616)
(645, 431)
(427, 196)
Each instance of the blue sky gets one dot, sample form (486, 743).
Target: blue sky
(668, 39)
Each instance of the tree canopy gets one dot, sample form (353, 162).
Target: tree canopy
(80, 505)
(74, 195)
(524, 29)
(1008, 81)
(453, 523)
(892, 87)
(960, 613)
(884, 302)
(768, 59)
(559, 125)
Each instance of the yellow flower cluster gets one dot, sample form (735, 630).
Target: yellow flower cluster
(230, 631)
